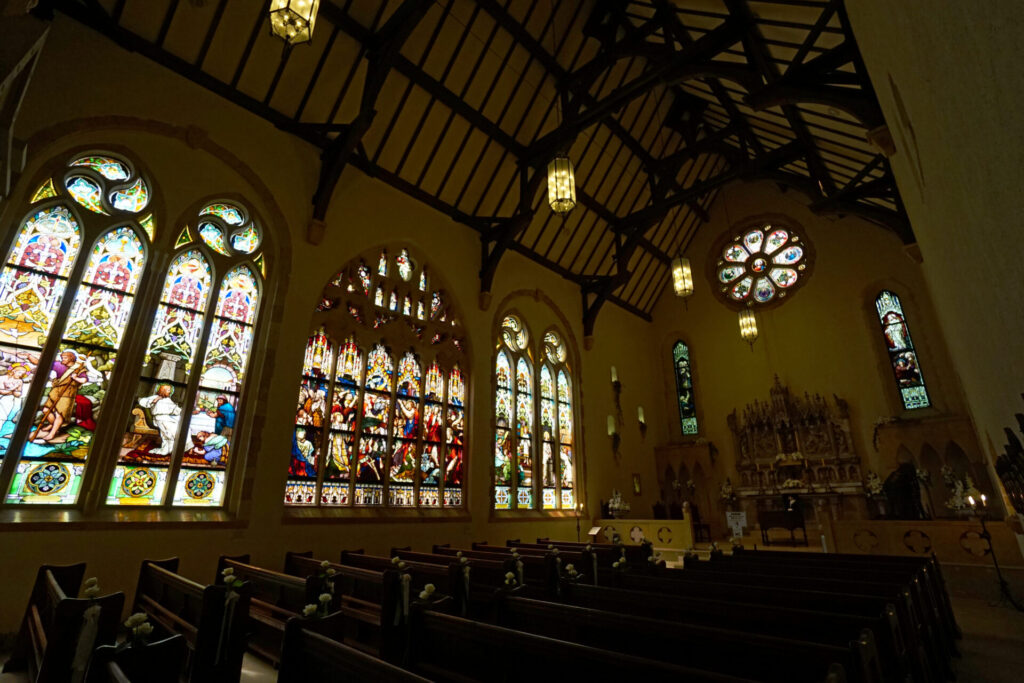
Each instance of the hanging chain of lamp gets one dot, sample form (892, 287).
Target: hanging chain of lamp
(292, 20)
(561, 174)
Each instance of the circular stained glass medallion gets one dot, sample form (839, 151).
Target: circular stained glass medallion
(138, 483)
(199, 485)
(47, 478)
(762, 263)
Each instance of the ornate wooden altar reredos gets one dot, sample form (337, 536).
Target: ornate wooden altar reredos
(798, 446)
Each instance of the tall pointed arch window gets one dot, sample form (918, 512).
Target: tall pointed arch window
(200, 317)
(388, 350)
(520, 480)
(900, 347)
(684, 388)
(98, 200)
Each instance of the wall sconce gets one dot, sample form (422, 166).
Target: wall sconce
(748, 326)
(613, 433)
(617, 393)
(641, 422)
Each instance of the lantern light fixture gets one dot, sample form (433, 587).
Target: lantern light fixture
(292, 20)
(748, 326)
(561, 184)
(682, 276)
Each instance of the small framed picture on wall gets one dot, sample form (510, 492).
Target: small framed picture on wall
(636, 483)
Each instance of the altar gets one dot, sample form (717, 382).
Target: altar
(664, 534)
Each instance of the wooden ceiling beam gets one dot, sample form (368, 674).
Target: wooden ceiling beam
(384, 47)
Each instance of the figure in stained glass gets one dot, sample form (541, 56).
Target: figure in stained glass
(303, 455)
(166, 416)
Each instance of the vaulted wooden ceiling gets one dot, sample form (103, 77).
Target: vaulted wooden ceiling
(461, 104)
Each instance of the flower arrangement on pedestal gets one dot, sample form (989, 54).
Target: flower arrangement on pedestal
(873, 485)
(792, 484)
(617, 506)
(963, 489)
(726, 494)
(794, 458)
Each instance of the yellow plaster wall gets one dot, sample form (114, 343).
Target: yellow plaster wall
(825, 339)
(165, 122)
(952, 97)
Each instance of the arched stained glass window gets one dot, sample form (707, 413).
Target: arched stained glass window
(155, 450)
(102, 200)
(403, 419)
(902, 355)
(684, 388)
(518, 484)
(54, 446)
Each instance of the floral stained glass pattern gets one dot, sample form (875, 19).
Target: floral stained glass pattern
(684, 389)
(108, 167)
(87, 193)
(762, 266)
(45, 191)
(902, 354)
(79, 378)
(131, 199)
(213, 237)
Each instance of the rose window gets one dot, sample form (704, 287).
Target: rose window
(762, 265)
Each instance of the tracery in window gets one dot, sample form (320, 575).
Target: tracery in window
(684, 389)
(55, 445)
(395, 435)
(518, 484)
(902, 356)
(761, 263)
(154, 449)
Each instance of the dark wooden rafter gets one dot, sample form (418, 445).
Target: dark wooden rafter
(382, 50)
(644, 182)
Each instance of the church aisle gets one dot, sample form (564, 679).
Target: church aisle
(993, 643)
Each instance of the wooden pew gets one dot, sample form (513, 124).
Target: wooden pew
(634, 553)
(52, 633)
(313, 651)
(447, 579)
(926, 569)
(821, 625)
(371, 601)
(764, 657)
(485, 576)
(212, 622)
(448, 648)
(274, 599)
(773, 591)
(159, 662)
(884, 583)
(540, 569)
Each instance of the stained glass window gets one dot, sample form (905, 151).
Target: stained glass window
(761, 265)
(902, 355)
(521, 476)
(32, 286)
(55, 445)
(59, 441)
(684, 388)
(395, 433)
(154, 447)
